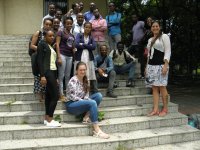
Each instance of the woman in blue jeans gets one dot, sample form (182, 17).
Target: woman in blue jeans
(80, 102)
(65, 50)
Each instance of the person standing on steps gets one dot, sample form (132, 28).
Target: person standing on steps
(89, 16)
(99, 27)
(78, 27)
(85, 45)
(104, 70)
(158, 68)
(59, 15)
(80, 102)
(51, 14)
(123, 63)
(73, 12)
(65, 50)
(137, 49)
(113, 22)
(48, 76)
(37, 36)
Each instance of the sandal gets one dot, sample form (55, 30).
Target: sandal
(101, 135)
(87, 120)
(153, 113)
(163, 113)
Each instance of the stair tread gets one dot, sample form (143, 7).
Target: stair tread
(106, 122)
(80, 140)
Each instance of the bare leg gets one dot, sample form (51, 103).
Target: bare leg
(155, 101)
(164, 93)
(99, 133)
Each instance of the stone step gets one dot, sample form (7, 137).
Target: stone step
(193, 145)
(34, 105)
(15, 64)
(14, 55)
(129, 140)
(25, 87)
(126, 124)
(16, 69)
(14, 51)
(14, 42)
(36, 117)
(16, 74)
(28, 95)
(6, 59)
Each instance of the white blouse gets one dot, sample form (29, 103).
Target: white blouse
(162, 44)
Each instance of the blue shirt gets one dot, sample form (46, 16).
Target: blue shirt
(89, 16)
(107, 64)
(113, 22)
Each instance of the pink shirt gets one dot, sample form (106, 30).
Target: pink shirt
(99, 27)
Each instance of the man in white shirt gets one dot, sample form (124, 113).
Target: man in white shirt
(52, 11)
(78, 27)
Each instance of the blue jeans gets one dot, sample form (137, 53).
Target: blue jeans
(64, 71)
(130, 68)
(82, 106)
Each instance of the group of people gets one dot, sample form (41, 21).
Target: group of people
(73, 48)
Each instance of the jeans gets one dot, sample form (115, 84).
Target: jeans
(130, 68)
(111, 80)
(138, 51)
(51, 96)
(64, 71)
(82, 106)
(113, 40)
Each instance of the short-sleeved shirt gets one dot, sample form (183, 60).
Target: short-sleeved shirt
(66, 43)
(138, 32)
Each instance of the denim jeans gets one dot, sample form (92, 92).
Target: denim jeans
(113, 40)
(82, 106)
(130, 68)
(64, 71)
(110, 79)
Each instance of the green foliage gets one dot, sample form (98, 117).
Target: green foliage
(101, 115)
(9, 103)
(180, 18)
(122, 147)
(57, 118)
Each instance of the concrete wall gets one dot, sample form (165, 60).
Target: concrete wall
(22, 16)
(101, 4)
(2, 21)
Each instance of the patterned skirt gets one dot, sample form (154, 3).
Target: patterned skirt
(154, 76)
(38, 88)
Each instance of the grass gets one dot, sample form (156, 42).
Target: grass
(9, 103)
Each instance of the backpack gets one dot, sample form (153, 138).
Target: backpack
(31, 51)
(128, 60)
(34, 62)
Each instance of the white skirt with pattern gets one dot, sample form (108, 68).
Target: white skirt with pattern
(90, 65)
(154, 76)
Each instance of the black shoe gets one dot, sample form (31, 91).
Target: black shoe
(130, 84)
(115, 85)
(111, 94)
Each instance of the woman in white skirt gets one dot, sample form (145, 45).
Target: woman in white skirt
(158, 68)
(85, 45)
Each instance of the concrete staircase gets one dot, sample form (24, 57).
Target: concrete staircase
(21, 115)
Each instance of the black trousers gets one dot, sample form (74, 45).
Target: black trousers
(51, 92)
(138, 52)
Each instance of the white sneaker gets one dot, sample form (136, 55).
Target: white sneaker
(45, 122)
(53, 123)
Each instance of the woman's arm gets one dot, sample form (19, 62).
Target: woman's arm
(58, 39)
(34, 40)
(78, 43)
(90, 46)
(167, 48)
(40, 57)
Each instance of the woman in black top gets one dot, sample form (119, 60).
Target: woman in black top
(48, 76)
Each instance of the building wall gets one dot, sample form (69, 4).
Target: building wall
(2, 17)
(101, 4)
(22, 16)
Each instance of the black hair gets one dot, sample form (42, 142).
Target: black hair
(55, 19)
(46, 31)
(102, 46)
(87, 23)
(51, 3)
(120, 43)
(67, 18)
(58, 9)
(47, 19)
(112, 3)
(74, 5)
